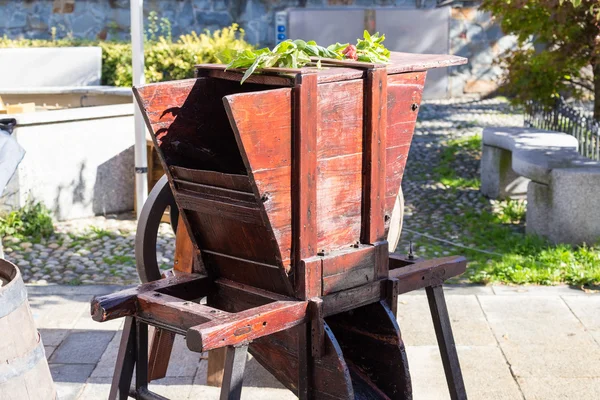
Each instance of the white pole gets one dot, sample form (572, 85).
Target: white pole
(137, 48)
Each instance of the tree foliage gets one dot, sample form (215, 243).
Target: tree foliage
(559, 48)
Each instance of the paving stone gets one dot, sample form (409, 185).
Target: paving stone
(106, 365)
(485, 372)
(70, 379)
(534, 320)
(561, 290)
(82, 347)
(560, 388)
(587, 309)
(468, 321)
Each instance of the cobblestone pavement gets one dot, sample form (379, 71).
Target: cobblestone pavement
(101, 250)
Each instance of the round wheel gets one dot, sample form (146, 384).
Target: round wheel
(159, 199)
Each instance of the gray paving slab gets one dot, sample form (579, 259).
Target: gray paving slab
(106, 365)
(183, 362)
(468, 321)
(57, 312)
(560, 290)
(70, 379)
(587, 310)
(485, 372)
(560, 388)
(82, 347)
(49, 350)
(535, 320)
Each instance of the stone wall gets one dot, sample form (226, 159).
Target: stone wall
(472, 33)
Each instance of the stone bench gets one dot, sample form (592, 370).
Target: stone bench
(561, 186)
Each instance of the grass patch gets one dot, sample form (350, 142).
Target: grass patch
(99, 232)
(523, 259)
(445, 171)
(32, 221)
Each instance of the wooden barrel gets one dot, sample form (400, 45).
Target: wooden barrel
(24, 372)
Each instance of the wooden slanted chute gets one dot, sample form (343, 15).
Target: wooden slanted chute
(286, 187)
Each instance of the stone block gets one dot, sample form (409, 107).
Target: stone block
(539, 209)
(498, 180)
(575, 204)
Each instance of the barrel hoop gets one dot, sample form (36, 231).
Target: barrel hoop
(12, 296)
(19, 366)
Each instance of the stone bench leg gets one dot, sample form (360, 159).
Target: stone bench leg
(498, 180)
(539, 209)
(566, 210)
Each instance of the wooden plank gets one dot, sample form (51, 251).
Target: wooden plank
(445, 339)
(339, 198)
(309, 285)
(260, 275)
(352, 298)
(235, 297)
(353, 277)
(409, 62)
(262, 79)
(233, 237)
(317, 327)
(304, 362)
(216, 367)
(212, 178)
(175, 314)
(184, 249)
(242, 327)
(304, 170)
(242, 211)
(391, 295)
(123, 372)
(381, 259)
(123, 303)
(214, 193)
(276, 197)
(340, 118)
(254, 117)
(373, 229)
(427, 273)
(161, 346)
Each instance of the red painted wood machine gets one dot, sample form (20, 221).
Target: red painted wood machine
(285, 188)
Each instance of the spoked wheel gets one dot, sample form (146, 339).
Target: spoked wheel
(159, 199)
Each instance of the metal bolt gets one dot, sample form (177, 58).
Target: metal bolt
(414, 107)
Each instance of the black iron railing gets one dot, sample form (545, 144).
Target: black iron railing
(564, 118)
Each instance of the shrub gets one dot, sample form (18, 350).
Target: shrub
(165, 60)
(32, 220)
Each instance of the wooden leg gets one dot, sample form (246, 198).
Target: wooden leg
(443, 331)
(235, 363)
(161, 347)
(125, 362)
(216, 366)
(141, 356)
(304, 361)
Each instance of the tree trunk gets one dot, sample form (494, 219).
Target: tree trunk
(596, 69)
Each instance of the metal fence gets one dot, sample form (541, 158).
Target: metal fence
(564, 118)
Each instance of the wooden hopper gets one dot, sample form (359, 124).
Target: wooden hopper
(286, 185)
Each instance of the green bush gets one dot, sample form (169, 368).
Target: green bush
(165, 60)
(32, 220)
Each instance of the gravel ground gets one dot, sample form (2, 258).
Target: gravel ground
(101, 250)
(428, 201)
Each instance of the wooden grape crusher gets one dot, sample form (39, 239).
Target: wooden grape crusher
(282, 192)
